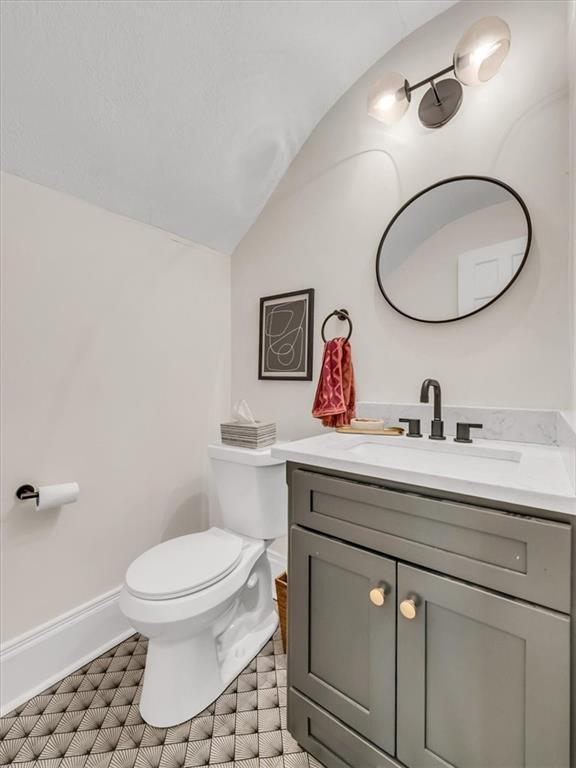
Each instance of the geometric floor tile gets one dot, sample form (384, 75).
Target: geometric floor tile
(91, 719)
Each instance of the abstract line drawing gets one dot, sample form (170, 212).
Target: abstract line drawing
(286, 324)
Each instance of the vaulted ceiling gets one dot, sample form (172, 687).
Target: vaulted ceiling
(183, 115)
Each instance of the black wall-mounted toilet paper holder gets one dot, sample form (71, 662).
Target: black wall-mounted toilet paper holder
(26, 492)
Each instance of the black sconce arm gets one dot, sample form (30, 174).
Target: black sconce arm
(430, 79)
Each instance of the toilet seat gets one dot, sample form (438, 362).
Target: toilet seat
(184, 565)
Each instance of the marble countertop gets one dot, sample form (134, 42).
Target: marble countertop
(527, 474)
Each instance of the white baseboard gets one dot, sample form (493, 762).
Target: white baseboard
(37, 659)
(277, 565)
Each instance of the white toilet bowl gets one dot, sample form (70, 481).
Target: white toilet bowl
(205, 600)
(200, 641)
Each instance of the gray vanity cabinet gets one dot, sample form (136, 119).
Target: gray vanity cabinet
(342, 645)
(449, 663)
(482, 680)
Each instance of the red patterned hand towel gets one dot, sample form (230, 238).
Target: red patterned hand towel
(335, 401)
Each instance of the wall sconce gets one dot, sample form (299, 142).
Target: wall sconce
(477, 58)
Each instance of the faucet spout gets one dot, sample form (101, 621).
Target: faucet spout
(437, 426)
(428, 384)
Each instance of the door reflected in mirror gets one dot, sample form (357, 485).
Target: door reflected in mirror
(453, 249)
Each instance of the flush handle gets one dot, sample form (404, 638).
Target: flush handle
(408, 608)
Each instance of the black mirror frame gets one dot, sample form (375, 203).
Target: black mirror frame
(420, 194)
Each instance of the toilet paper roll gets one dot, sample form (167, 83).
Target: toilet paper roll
(52, 496)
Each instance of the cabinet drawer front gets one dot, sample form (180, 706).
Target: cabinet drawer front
(341, 644)
(325, 737)
(522, 556)
(482, 680)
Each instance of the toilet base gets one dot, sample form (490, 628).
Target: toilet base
(183, 677)
(198, 643)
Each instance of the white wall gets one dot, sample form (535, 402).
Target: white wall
(115, 358)
(322, 227)
(572, 68)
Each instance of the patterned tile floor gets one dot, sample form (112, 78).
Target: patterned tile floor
(91, 719)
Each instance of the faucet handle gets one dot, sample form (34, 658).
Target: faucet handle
(463, 432)
(413, 427)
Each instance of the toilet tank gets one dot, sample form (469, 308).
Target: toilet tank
(251, 489)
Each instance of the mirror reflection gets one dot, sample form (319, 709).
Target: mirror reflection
(453, 249)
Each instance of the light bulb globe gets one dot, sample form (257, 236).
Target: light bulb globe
(389, 98)
(481, 50)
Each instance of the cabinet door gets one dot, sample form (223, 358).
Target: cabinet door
(341, 645)
(483, 681)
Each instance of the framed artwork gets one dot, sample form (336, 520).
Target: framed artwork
(286, 336)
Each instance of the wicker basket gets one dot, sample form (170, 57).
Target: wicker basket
(282, 598)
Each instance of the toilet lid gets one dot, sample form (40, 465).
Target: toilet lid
(184, 565)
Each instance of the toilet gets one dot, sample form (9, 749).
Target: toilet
(205, 600)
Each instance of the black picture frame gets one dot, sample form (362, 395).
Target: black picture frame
(423, 192)
(298, 335)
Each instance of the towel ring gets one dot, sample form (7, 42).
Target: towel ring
(341, 314)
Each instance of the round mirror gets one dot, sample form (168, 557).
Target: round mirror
(453, 249)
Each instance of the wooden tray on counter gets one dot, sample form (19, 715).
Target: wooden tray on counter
(389, 431)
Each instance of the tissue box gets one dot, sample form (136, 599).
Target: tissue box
(243, 435)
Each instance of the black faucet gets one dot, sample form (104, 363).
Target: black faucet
(436, 425)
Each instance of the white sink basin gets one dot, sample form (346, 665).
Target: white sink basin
(520, 473)
(382, 449)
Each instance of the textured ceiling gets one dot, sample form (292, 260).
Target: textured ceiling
(184, 115)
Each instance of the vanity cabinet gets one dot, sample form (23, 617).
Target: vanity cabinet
(405, 647)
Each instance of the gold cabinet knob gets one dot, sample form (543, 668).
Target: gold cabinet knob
(378, 596)
(408, 608)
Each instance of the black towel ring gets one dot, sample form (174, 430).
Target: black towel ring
(341, 314)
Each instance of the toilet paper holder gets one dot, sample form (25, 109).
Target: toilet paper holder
(47, 497)
(26, 492)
